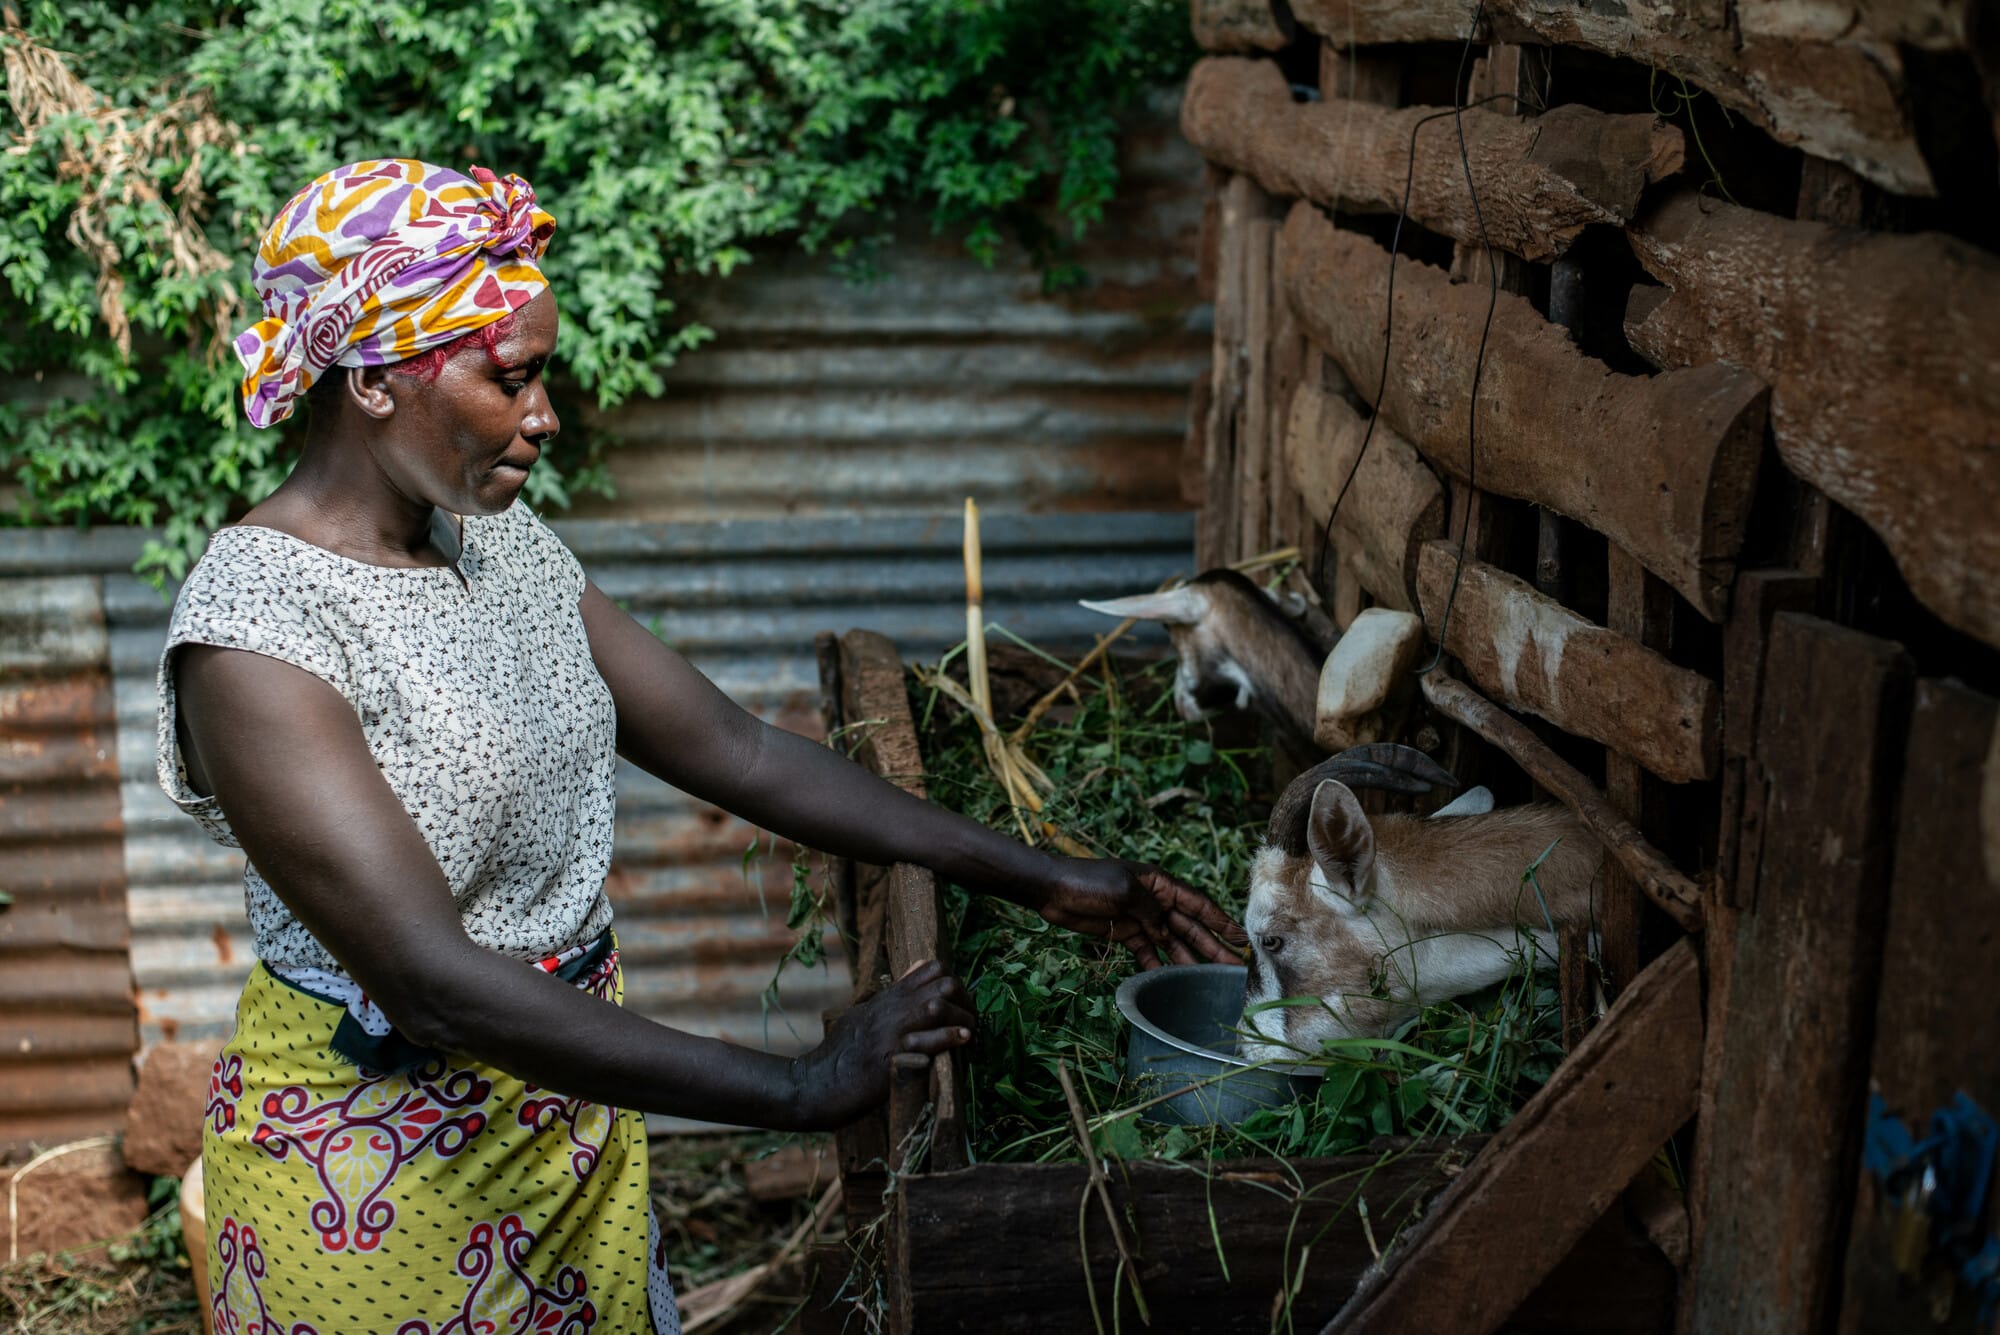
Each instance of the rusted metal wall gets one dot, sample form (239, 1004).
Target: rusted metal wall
(937, 378)
(66, 1019)
(742, 598)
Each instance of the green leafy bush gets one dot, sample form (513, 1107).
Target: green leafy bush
(155, 139)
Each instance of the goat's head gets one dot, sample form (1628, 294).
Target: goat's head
(1236, 648)
(1311, 914)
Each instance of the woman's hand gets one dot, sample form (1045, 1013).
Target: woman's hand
(926, 1010)
(1142, 908)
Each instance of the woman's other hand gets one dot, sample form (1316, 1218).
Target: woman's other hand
(1142, 908)
(926, 1010)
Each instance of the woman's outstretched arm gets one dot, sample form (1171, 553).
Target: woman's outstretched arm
(284, 754)
(673, 722)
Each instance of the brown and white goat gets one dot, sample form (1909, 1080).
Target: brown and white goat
(1379, 917)
(1237, 649)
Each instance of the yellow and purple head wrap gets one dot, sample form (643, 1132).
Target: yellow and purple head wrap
(378, 261)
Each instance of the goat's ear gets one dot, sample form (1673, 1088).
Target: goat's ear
(1185, 606)
(1342, 844)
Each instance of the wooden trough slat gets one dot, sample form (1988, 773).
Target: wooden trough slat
(1775, 1155)
(1660, 879)
(1662, 466)
(1535, 654)
(1541, 180)
(1841, 99)
(907, 924)
(1393, 506)
(1551, 1172)
(1912, 445)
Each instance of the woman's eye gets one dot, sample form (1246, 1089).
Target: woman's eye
(513, 387)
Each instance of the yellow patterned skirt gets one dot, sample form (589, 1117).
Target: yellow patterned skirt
(447, 1199)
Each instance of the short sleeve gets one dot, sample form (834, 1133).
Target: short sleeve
(241, 596)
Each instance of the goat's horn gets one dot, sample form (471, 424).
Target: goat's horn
(1184, 606)
(1402, 769)
(1387, 765)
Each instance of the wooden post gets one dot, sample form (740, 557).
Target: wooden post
(1775, 1155)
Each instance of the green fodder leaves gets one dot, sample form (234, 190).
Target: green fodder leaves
(1134, 780)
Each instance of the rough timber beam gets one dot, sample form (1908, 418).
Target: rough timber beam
(1840, 97)
(1883, 353)
(1664, 466)
(1541, 180)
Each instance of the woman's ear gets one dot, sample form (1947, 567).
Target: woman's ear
(371, 389)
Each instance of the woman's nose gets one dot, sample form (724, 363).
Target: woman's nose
(541, 423)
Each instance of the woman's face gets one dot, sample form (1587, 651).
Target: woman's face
(465, 441)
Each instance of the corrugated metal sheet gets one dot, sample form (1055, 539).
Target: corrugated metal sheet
(742, 598)
(936, 378)
(66, 1020)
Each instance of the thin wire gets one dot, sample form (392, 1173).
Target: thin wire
(1479, 359)
(1389, 320)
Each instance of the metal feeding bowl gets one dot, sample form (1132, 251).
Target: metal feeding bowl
(1184, 1020)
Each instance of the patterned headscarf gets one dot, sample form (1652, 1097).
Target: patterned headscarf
(378, 261)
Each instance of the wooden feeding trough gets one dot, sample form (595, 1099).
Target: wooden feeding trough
(937, 1243)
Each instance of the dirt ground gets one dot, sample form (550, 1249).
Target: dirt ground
(141, 1284)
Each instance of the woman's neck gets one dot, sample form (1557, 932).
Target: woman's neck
(338, 499)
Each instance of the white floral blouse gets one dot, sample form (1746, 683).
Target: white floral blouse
(478, 697)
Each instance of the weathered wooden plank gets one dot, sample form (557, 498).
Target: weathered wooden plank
(1241, 25)
(1535, 654)
(1639, 607)
(1812, 76)
(1936, 1028)
(1217, 541)
(1914, 450)
(885, 741)
(1394, 505)
(996, 1248)
(1663, 883)
(1541, 180)
(1775, 1157)
(1509, 1219)
(1664, 466)
(1256, 456)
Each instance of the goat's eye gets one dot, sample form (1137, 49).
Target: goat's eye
(1272, 943)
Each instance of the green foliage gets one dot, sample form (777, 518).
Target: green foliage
(669, 138)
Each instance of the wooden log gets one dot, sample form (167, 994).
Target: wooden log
(1837, 93)
(996, 1249)
(1241, 25)
(1541, 180)
(1508, 1220)
(1911, 446)
(1394, 505)
(1660, 879)
(1535, 654)
(1662, 466)
(1936, 1029)
(1775, 1159)
(1639, 607)
(1260, 420)
(871, 674)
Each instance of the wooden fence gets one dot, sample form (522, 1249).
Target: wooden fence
(1681, 430)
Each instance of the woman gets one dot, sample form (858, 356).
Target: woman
(398, 693)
